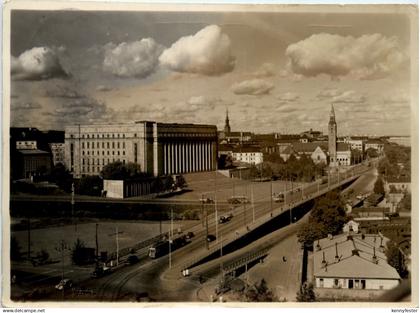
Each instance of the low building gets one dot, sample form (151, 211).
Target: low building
(31, 163)
(397, 184)
(250, 155)
(26, 145)
(352, 261)
(57, 152)
(374, 144)
(355, 143)
(343, 154)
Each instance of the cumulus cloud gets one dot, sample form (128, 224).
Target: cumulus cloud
(265, 70)
(334, 95)
(328, 93)
(205, 102)
(62, 92)
(252, 87)
(397, 98)
(207, 52)
(371, 56)
(133, 59)
(37, 64)
(288, 97)
(24, 105)
(349, 97)
(103, 88)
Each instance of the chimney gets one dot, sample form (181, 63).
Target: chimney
(374, 258)
(337, 258)
(330, 236)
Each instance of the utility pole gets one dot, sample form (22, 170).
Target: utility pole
(207, 230)
(271, 197)
(118, 247)
(202, 209)
(171, 238)
(215, 205)
(29, 238)
(72, 207)
(252, 203)
(96, 242)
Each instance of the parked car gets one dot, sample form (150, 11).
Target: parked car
(211, 238)
(64, 284)
(190, 234)
(132, 259)
(101, 271)
(206, 200)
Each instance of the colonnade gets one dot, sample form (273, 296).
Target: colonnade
(186, 157)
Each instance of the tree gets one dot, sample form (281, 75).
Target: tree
(372, 153)
(306, 293)
(274, 158)
(405, 203)
(379, 186)
(120, 171)
(396, 259)
(327, 217)
(61, 177)
(90, 185)
(77, 255)
(260, 293)
(15, 253)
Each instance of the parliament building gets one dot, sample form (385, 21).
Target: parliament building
(159, 148)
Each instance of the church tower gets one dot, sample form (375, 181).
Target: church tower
(227, 126)
(332, 138)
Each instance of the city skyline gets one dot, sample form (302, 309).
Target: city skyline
(274, 73)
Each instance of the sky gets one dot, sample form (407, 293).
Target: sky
(273, 71)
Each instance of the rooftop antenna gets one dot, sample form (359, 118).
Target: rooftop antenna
(318, 246)
(374, 258)
(336, 253)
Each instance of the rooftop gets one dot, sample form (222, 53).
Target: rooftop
(32, 151)
(355, 257)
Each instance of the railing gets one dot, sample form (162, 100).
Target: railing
(241, 261)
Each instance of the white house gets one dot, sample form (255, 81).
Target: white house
(248, 155)
(353, 261)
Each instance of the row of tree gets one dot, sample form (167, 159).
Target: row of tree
(300, 169)
(327, 217)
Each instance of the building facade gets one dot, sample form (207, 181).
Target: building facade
(248, 155)
(26, 145)
(159, 148)
(57, 152)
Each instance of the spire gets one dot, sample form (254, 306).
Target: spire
(332, 114)
(227, 126)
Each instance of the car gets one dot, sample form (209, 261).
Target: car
(64, 284)
(189, 235)
(133, 259)
(211, 238)
(101, 271)
(206, 200)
